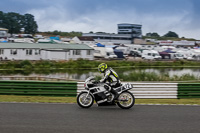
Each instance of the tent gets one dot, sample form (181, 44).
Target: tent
(100, 45)
(165, 55)
(169, 51)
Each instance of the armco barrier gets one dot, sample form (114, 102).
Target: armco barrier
(189, 90)
(148, 90)
(38, 88)
(71, 89)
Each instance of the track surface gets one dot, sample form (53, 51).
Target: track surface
(69, 118)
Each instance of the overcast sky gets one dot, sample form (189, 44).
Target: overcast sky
(161, 16)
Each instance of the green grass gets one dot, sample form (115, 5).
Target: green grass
(40, 99)
(87, 64)
(37, 99)
(151, 76)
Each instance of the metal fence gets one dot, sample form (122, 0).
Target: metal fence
(189, 90)
(38, 88)
(71, 89)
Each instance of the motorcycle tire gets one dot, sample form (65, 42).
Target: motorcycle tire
(126, 103)
(83, 101)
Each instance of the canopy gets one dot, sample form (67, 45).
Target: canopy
(163, 53)
(169, 51)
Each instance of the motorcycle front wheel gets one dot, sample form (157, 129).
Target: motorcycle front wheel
(126, 100)
(85, 100)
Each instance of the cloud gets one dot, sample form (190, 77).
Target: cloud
(161, 16)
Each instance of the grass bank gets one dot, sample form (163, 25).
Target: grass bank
(40, 99)
(87, 64)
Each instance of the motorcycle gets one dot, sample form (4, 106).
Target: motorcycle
(97, 91)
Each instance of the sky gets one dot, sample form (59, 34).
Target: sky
(160, 16)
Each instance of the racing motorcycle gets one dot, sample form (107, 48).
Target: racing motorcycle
(97, 91)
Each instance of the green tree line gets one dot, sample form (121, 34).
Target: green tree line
(169, 34)
(60, 33)
(16, 22)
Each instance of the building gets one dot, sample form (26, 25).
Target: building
(28, 51)
(183, 43)
(83, 40)
(3, 33)
(135, 30)
(126, 34)
(110, 38)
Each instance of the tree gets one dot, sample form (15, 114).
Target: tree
(29, 24)
(1, 19)
(154, 34)
(148, 34)
(14, 22)
(171, 34)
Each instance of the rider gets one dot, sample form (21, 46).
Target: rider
(110, 77)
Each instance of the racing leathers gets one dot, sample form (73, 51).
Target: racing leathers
(112, 79)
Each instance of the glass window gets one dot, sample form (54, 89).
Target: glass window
(13, 51)
(37, 52)
(76, 52)
(29, 52)
(1, 51)
(89, 52)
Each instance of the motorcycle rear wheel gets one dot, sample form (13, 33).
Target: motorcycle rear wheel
(85, 100)
(126, 100)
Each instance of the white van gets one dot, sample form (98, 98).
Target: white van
(150, 55)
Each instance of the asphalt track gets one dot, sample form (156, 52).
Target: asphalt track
(69, 118)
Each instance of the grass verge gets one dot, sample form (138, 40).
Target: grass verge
(41, 99)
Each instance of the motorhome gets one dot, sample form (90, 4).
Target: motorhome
(177, 56)
(124, 49)
(135, 53)
(104, 52)
(187, 54)
(150, 55)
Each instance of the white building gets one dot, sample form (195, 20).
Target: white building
(3, 33)
(126, 34)
(135, 30)
(110, 38)
(83, 40)
(177, 43)
(26, 51)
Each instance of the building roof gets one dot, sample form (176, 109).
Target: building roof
(106, 35)
(3, 29)
(85, 38)
(129, 24)
(44, 46)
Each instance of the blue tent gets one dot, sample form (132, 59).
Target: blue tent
(169, 51)
(100, 45)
